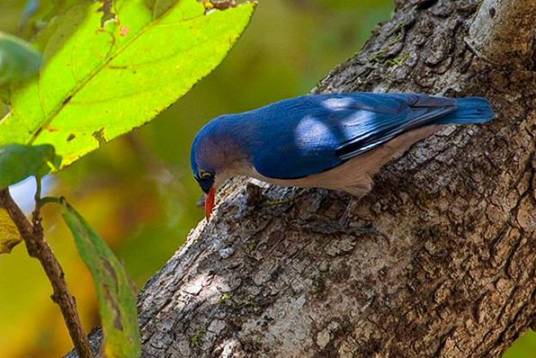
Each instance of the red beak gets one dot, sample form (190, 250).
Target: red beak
(209, 202)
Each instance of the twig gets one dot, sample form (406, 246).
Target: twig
(49, 199)
(37, 196)
(32, 234)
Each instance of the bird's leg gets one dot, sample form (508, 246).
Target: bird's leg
(361, 187)
(358, 191)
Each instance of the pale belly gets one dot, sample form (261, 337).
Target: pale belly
(355, 175)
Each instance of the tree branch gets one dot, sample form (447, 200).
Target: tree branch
(438, 260)
(32, 234)
(503, 32)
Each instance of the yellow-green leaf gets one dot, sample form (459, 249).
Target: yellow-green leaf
(18, 60)
(100, 82)
(117, 301)
(17, 162)
(9, 235)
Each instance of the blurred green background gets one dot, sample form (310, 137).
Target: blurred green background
(137, 191)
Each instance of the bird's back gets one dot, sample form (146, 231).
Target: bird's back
(306, 135)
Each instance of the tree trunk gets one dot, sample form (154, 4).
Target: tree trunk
(438, 260)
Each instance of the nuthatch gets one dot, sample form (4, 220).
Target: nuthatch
(334, 141)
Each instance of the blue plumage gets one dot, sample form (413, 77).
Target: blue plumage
(307, 135)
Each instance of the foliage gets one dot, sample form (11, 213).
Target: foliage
(18, 162)
(9, 235)
(18, 60)
(117, 302)
(103, 78)
(109, 66)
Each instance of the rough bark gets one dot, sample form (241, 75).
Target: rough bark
(438, 260)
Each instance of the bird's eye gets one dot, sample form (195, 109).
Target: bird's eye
(204, 174)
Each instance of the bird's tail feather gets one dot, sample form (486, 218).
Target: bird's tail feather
(470, 110)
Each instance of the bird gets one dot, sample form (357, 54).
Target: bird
(336, 141)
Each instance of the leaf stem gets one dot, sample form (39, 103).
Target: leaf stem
(50, 199)
(32, 234)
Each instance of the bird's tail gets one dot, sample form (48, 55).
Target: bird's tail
(470, 110)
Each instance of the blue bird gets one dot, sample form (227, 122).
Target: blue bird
(333, 141)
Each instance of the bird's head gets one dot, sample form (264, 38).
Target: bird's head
(213, 157)
(203, 170)
(206, 180)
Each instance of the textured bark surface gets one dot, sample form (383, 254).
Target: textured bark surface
(438, 260)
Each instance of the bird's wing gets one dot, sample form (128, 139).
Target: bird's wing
(312, 134)
(415, 111)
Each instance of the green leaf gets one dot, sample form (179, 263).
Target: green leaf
(101, 82)
(9, 235)
(18, 60)
(38, 14)
(17, 162)
(117, 301)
